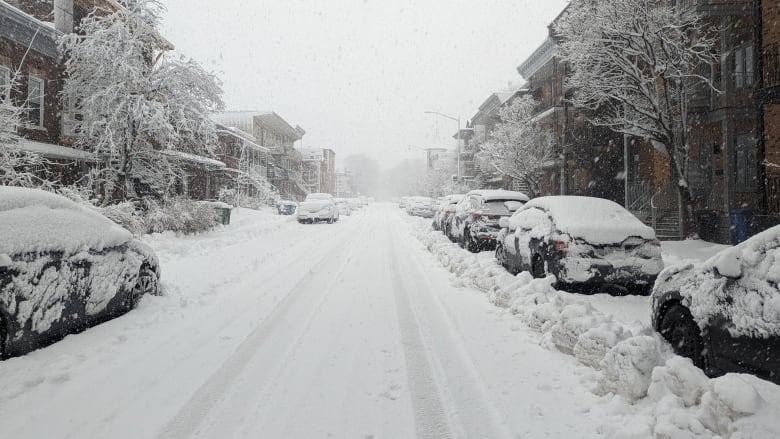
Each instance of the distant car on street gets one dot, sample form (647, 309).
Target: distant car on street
(420, 206)
(286, 207)
(587, 243)
(445, 210)
(64, 268)
(724, 314)
(318, 207)
(344, 206)
(474, 222)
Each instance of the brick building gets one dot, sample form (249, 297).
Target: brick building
(284, 167)
(767, 47)
(319, 170)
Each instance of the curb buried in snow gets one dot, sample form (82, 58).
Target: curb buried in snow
(667, 394)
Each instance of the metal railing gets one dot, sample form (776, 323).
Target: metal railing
(638, 197)
(667, 198)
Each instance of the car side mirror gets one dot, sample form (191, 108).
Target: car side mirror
(503, 222)
(729, 264)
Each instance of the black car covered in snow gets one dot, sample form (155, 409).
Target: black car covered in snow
(587, 243)
(724, 314)
(63, 268)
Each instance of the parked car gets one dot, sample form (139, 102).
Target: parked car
(286, 207)
(445, 210)
(343, 206)
(63, 268)
(318, 207)
(724, 314)
(420, 206)
(403, 202)
(355, 203)
(474, 222)
(587, 243)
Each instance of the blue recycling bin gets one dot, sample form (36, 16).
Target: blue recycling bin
(742, 226)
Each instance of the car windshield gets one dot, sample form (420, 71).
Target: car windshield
(389, 219)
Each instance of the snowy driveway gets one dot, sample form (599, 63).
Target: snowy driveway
(274, 329)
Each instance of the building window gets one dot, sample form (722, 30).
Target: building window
(71, 117)
(35, 102)
(746, 166)
(5, 84)
(743, 66)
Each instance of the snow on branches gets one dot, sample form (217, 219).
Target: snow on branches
(133, 101)
(635, 64)
(17, 167)
(517, 147)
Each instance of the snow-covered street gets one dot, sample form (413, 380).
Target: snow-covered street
(270, 328)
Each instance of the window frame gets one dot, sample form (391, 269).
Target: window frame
(41, 103)
(5, 75)
(745, 163)
(743, 59)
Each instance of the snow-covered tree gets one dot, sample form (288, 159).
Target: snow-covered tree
(17, 167)
(517, 147)
(134, 101)
(635, 63)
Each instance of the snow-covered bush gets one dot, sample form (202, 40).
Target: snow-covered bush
(178, 215)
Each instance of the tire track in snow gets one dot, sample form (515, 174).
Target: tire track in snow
(190, 418)
(465, 398)
(430, 417)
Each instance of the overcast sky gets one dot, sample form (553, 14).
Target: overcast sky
(358, 75)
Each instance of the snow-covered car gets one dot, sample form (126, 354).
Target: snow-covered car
(445, 210)
(286, 207)
(63, 268)
(420, 206)
(318, 207)
(474, 222)
(355, 203)
(345, 208)
(724, 314)
(586, 243)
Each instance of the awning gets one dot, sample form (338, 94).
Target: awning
(51, 151)
(193, 158)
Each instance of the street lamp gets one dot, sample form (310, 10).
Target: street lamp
(456, 119)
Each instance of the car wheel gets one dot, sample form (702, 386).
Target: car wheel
(471, 244)
(145, 284)
(3, 338)
(682, 332)
(537, 267)
(501, 255)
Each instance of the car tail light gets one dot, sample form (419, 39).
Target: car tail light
(561, 246)
(477, 215)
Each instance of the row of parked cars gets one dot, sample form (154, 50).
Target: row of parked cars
(321, 207)
(724, 314)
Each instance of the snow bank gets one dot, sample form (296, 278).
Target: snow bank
(651, 391)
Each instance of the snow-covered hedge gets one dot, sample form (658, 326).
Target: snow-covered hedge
(176, 214)
(670, 396)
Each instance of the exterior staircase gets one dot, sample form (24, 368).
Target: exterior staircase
(667, 225)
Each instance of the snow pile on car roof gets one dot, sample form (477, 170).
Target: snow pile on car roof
(596, 220)
(36, 221)
(499, 194)
(749, 275)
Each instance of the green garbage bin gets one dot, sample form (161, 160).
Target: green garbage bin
(224, 215)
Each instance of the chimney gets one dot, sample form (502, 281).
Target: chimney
(63, 16)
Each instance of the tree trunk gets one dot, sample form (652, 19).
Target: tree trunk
(688, 222)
